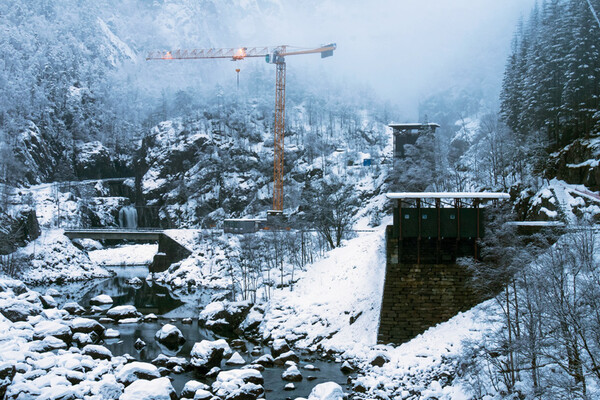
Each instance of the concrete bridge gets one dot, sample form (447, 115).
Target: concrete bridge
(114, 234)
(169, 250)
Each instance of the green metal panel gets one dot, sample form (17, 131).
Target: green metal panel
(448, 222)
(468, 223)
(410, 222)
(429, 223)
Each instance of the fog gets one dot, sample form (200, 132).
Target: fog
(405, 50)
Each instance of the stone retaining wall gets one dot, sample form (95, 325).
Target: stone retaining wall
(419, 296)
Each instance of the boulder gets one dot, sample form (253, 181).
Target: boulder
(346, 368)
(82, 339)
(379, 360)
(289, 386)
(52, 328)
(207, 354)
(123, 312)
(172, 363)
(73, 308)
(191, 387)
(170, 336)
(327, 391)
(202, 394)
(86, 325)
(130, 373)
(223, 316)
(289, 356)
(49, 343)
(292, 374)
(236, 359)
(238, 384)
(48, 302)
(265, 360)
(111, 334)
(139, 344)
(155, 389)
(100, 300)
(97, 352)
(279, 347)
(19, 310)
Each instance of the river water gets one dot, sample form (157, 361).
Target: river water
(153, 298)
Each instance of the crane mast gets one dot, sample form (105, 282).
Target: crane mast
(274, 55)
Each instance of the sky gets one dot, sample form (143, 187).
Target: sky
(405, 50)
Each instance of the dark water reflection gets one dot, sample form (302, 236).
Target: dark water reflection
(147, 298)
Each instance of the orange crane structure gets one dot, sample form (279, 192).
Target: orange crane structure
(272, 55)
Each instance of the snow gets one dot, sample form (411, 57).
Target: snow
(123, 312)
(156, 389)
(123, 48)
(131, 372)
(101, 299)
(236, 359)
(347, 283)
(53, 257)
(133, 254)
(327, 391)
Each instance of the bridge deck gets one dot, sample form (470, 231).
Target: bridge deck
(114, 234)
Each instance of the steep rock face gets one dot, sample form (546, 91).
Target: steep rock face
(37, 155)
(18, 231)
(93, 161)
(578, 163)
(195, 172)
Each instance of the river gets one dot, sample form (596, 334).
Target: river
(170, 308)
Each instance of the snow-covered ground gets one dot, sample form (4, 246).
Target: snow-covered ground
(53, 257)
(131, 254)
(335, 306)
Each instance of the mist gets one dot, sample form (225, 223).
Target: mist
(407, 50)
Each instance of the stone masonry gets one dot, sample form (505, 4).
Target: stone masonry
(419, 296)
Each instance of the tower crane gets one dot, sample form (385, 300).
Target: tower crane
(272, 55)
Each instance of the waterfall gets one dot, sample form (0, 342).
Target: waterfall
(128, 217)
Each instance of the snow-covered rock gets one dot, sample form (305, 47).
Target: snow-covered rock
(52, 328)
(156, 389)
(139, 344)
(172, 363)
(111, 333)
(292, 374)
(97, 352)
(285, 357)
(265, 360)
(123, 312)
(101, 299)
(170, 336)
(191, 387)
(279, 347)
(223, 316)
(327, 391)
(81, 339)
(207, 354)
(18, 310)
(236, 359)
(239, 384)
(73, 308)
(289, 386)
(202, 394)
(49, 343)
(130, 373)
(86, 325)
